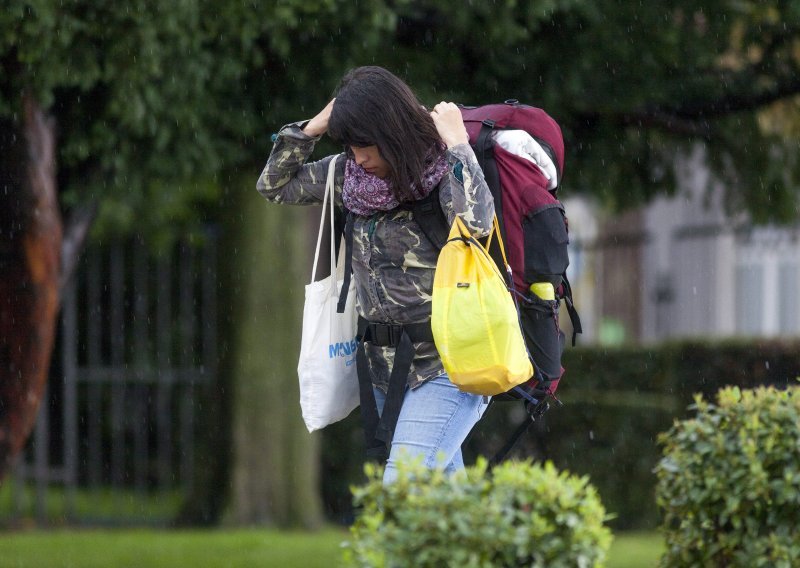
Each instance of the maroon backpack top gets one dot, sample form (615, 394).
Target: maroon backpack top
(531, 217)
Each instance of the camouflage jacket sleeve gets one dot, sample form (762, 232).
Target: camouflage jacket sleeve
(464, 192)
(287, 178)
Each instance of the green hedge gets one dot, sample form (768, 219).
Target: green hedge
(616, 402)
(520, 514)
(728, 481)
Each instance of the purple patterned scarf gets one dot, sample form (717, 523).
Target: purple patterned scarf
(365, 193)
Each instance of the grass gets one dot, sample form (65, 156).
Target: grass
(155, 549)
(250, 548)
(635, 550)
(98, 504)
(254, 548)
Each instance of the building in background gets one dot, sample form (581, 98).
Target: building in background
(683, 267)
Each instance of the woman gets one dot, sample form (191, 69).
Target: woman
(396, 152)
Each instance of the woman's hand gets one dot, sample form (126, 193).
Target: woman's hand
(448, 121)
(318, 125)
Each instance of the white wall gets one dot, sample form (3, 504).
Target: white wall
(705, 272)
(582, 274)
(724, 277)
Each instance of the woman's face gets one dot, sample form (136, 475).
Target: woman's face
(369, 158)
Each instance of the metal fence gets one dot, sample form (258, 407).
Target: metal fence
(115, 435)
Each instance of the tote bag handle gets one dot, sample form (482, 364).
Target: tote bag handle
(327, 202)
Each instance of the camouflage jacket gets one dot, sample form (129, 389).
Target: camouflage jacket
(393, 261)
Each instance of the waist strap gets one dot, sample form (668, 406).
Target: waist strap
(388, 335)
(378, 431)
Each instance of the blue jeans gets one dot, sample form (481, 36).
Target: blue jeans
(434, 421)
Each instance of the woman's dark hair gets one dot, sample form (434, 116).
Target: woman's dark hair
(374, 107)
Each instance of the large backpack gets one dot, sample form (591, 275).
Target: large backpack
(534, 227)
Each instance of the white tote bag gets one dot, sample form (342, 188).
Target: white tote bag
(327, 366)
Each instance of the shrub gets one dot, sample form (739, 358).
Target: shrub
(616, 401)
(520, 514)
(729, 481)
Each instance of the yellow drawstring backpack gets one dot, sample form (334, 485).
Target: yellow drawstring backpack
(474, 319)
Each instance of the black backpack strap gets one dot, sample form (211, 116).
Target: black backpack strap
(503, 452)
(430, 217)
(348, 261)
(535, 409)
(573, 313)
(339, 220)
(375, 449)
(379, 430)
(428, 211)
(485, 153)
(403, 356)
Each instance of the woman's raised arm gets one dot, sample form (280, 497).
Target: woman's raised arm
(287, 178)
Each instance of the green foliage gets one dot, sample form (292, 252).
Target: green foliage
(245, 548)
(178, 95)
(160, 548)
(632, 84)
(728, 482)
(186, 90)
(635, 550)
(520, 514)
(154, 98)
(616, 402)
(134, 90)
(18, 505)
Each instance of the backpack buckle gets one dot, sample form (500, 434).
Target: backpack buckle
(385, 335)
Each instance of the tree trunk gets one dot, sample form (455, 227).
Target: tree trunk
(274, 477)
(30, 249)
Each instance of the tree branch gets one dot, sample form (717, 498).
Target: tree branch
(736, 101)
(667, 122)
(694, 118)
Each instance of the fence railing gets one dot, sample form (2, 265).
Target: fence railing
(115, 435)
